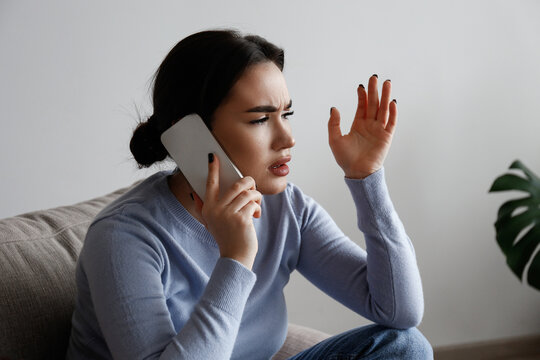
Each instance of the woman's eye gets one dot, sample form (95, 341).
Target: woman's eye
(266, 118)
(259, 121)
(287, 114)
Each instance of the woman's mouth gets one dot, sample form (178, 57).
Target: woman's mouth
(280, 168)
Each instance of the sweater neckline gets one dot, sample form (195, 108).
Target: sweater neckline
(179, 212)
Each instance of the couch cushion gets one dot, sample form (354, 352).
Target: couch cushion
(299, 338)
(38, 254)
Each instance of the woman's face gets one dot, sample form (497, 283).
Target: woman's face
(252, 126)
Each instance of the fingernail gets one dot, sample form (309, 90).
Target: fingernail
(331, 110)
(210, 157)
(362, 86)
(395, 101)
(375, 75)
(388, 80)
(192, 198)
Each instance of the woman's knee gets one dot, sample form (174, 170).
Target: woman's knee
(411, 344)
(372, 342)
(389, 343)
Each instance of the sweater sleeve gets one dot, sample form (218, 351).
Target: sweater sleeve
(381, 283)
(124, 271)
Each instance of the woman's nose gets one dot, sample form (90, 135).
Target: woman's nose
(291, 142)
(283, 137)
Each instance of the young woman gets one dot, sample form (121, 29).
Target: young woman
(165, 274)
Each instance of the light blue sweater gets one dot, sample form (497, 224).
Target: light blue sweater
(151, 283)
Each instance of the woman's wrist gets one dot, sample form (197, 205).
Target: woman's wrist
(246, 261)
(359, 175)
(245, 258)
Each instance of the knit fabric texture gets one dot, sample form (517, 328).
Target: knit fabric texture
(151, 283)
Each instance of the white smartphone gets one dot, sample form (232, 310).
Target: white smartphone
(189, 142)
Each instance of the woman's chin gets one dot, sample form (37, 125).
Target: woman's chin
(273, 188)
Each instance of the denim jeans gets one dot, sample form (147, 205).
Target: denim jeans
(371, 342)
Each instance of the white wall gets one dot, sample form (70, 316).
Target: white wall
(466, 75)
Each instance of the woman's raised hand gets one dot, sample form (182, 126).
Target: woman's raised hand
(362, 151)
(230, 218)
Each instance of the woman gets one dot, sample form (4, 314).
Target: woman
(166, 274)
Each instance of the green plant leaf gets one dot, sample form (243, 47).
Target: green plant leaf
(519, 255)
(530, 175)
(512, 182)
(534, 270)
(508, 207)
(509, 227)
(518, 245)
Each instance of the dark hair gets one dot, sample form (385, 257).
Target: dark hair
(195, 77)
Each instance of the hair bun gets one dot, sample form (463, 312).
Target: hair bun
(145, 145)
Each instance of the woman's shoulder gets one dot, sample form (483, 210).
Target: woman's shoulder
(131, 220)
(142, 198)
(292, 199)
(297, 196)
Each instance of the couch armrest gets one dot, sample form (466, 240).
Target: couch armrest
(38, 255)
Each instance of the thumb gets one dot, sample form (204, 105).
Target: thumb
(334, 130)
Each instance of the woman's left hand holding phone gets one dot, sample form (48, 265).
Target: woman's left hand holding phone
(230, 218)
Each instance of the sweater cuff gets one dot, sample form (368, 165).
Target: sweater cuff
(229, 286)
(372, 200)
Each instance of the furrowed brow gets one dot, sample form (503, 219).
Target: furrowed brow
(267, 108)
(262, 109)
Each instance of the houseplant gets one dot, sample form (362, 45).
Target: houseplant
(518, 223)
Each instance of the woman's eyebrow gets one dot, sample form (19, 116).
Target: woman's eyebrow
(268, 108)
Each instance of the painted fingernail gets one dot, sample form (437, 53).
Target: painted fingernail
(192, 198)
(395, 101)
(362, 86)
(377, 76)
(210, 157)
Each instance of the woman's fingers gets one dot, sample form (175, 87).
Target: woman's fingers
(244, 184)
(252, 209)
(243, 201)
(392, 119)
(242, 192)
(382, 115)
(373, 98)
(334, 130)
(362, 103)
(212, 182)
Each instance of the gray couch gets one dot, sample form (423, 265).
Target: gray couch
(38, 253)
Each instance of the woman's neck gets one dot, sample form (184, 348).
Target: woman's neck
(181, 189)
